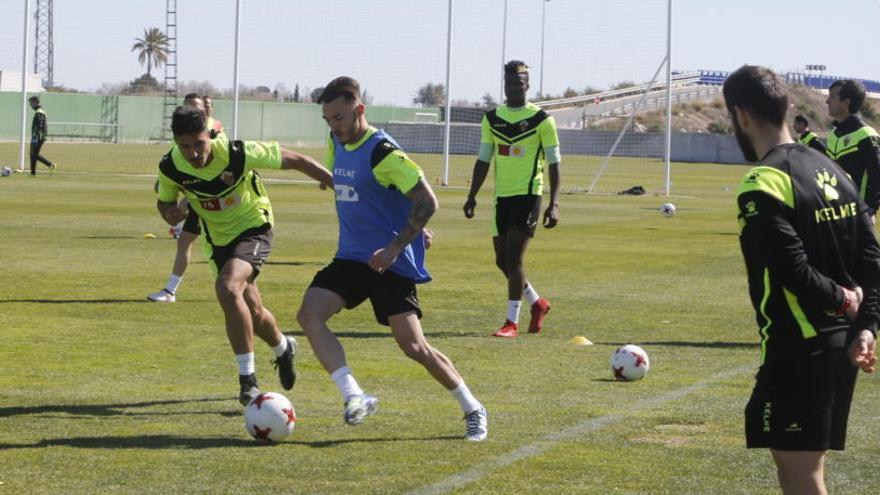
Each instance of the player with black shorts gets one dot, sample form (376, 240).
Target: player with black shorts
(522, 138)
(813, 267)
(383, 203)
(218, 179)
(190, 229)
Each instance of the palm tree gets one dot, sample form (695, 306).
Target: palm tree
(153, 47)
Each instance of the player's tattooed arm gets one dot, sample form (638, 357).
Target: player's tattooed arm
(424, 204)
(170, 212)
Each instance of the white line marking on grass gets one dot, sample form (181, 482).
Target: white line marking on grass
(482, 470)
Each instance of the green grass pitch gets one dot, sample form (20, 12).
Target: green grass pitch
(102, 391)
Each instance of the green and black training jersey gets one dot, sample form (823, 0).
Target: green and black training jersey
(856, 147)
(809, 138)
(805, 234)
(227, 193)
(521, 138)
(39, 127)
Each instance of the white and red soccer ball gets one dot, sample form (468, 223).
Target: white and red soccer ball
(629, 363)
(270, 417)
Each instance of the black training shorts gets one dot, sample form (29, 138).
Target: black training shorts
(517, 213)
(802, 403)
(191, 224)
(390, 294)
(253, 246)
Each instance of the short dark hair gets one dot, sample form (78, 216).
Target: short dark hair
(758, 91)
(344, 86)
(803, 120)
(515, 67)
(852, 90)
(190, 96)
(207, 97)
(188, 119)
(35, 99)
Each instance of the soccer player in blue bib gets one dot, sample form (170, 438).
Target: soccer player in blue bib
(383, 203)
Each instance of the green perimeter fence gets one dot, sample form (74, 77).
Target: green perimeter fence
(138, 119)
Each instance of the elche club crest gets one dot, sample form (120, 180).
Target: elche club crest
(227, 177)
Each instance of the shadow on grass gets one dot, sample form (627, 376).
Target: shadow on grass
(176, 442)
(386, 334)
(319, 444)
(74, 301)
(102, 237)
(120, 409)
(682, 343)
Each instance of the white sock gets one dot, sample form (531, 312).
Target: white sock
(346, 383)
(513, 311)
(466, 399)
(245, 363)
(530, 294)
(280, 348)
(173, 283)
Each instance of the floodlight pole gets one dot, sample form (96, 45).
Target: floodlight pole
(24, 45)
(543, 17)
(448, 98)
(503, 52)
(668, 157)
(235, 71)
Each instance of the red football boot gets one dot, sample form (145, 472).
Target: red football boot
(539, 311)
(507, 331)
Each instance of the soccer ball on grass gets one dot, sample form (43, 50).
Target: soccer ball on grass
(270, 417)
(668, 209)
(629, 363)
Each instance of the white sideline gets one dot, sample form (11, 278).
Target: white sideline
(481, 470)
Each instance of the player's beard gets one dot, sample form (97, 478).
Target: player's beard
(745, 143)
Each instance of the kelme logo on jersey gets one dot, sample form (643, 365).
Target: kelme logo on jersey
(345, 193)
(827, 183)
(751, 209)
(513, 150)
(219, 204)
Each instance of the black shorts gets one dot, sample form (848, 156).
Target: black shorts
(253, 246)
(191, 224)
(517, 213)
(802, 404)
(389, 293)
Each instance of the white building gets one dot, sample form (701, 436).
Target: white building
(10, 80)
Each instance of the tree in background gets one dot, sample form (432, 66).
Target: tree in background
(152, 48)
(316, 93)
(489, 101)
(430, 95)
(296, 93)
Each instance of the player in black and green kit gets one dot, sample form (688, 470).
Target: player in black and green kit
(854, 145)
(813, 267)
(522, 138)
(218, 178)
(39, 129)
(807, 137)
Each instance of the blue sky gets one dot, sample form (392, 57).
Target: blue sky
(395, 46)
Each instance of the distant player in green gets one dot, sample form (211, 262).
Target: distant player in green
(188, 231)
(219, 179)
(522, 138)
(807, 137)
(39, 129)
